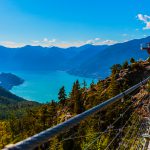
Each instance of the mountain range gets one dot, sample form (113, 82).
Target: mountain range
(87, 60)
(99, 64)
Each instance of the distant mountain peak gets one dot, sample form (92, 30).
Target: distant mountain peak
(31, 46)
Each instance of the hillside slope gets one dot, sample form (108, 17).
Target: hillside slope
(11, 104)
(8, 80)
(84, 55)
(84, 98)
(116, 54)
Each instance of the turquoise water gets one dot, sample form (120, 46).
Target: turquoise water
(44, 86)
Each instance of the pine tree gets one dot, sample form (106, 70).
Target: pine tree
(53, 112)
(84, 85)
(132, 60)
(62, 95)
(44, 115)
(116, 68)
(92, 86)
(113, 89)
(76, 98)
(125, 65)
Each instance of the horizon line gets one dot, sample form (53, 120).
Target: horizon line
(66, 47)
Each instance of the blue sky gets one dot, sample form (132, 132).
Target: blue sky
(72, 22)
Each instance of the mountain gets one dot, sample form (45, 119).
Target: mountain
(85, 54)
(6, 94)
(87, 60)
(43, 58)
(8, 80)
(100, 64)
(33, 58)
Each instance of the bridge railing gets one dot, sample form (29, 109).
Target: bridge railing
(44, 136)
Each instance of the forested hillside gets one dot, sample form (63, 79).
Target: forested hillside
(8, 80)
(34, 120)
(12, 105)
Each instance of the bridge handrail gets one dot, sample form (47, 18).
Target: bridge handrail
(44, 136)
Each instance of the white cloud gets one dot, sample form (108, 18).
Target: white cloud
(89, 42)
(53, 42)
(80, 43)
(145, 19)
(45, 42)
(108, 42)
(99, 41)
(11, 44)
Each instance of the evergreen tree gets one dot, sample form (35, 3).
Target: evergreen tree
(125, 65)
(43, 114)
(53, 112)
(116, 68)
(113, 89)
(76, 98)
(62, 95)
(92, 85)
(132, 60)
(84, 85)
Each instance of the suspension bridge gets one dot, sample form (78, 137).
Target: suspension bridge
(139, 135)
